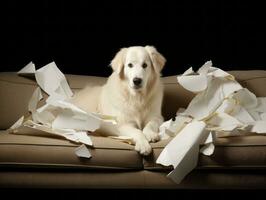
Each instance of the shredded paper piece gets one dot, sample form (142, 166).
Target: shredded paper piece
(182, 151)
(49, 78)
(82, 151)
(221, 108)
(29, 69)
(17, 124)
(58, 116)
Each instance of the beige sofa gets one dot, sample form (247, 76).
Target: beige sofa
(28, 161)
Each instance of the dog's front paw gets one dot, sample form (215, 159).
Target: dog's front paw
(143, 146)
(151, 135)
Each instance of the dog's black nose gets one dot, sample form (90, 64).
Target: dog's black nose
(137, 81)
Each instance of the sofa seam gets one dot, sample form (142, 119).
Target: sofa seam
(91, 147)
(58, 165)
(95, 147)
(246, 145)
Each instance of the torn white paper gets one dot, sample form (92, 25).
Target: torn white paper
(259, 127)
(75, 136)
(70, 120)
(209, 147)
(61, 114)
(223, 122)
(17, 124)
(123, 138)
(193, 83)
(82, 151)
(222, 105)
(171, 127)
(189, 71)
(205, 68)
(52, 80)
(36, 97)
(32, 106)
(214, 86)
(30, 126)
(58, 116)
(218, 73)
(29, 69)
(72, 117)
(205, 103)
(164, 133)
(241, 114)
(261, 104)
(245, 98)
(182, 151)
(263, 116)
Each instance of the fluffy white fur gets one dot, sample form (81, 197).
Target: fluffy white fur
(138, 109)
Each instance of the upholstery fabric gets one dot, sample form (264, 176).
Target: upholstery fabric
(47, 162)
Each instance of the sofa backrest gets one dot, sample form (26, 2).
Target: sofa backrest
(15, 92)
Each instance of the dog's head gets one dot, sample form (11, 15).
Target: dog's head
(137, 65)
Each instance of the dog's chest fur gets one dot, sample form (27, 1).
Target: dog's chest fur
(136, 109)
(128, 107)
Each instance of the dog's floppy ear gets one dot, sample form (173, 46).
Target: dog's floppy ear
(157, 59)
(118, 61)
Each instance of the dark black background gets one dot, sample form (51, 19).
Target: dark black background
(83, 36)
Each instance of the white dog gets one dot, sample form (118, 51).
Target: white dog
(133, 93)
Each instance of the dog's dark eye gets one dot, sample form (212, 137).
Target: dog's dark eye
(144, 65)
(130, 65)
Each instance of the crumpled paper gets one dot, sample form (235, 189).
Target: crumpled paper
(221, 108)
(58, 116)
(50, 79)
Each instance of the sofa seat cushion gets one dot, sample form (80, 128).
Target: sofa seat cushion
(55, 152)
(242, 152)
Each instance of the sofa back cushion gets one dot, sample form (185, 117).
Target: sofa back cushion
(16, 91)
(175, 96)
